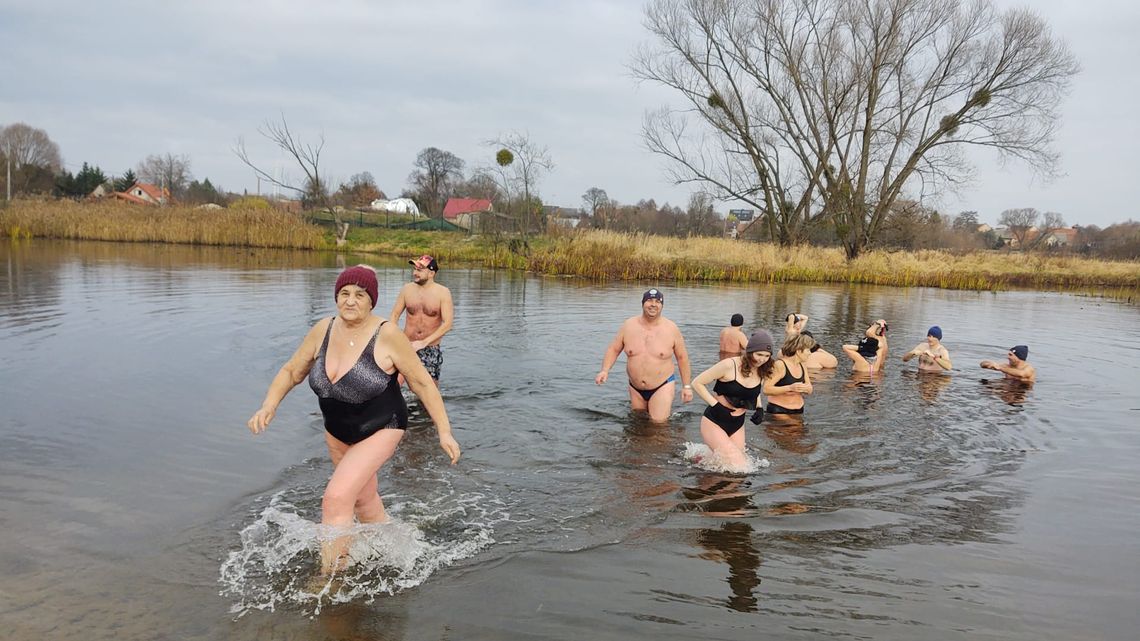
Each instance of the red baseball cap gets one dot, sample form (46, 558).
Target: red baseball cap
(425, 262)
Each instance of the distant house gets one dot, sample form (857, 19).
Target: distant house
(467, 212)
(99, 192)
(1063, 237)
(983, 228)
(569, 217)
(144, 194)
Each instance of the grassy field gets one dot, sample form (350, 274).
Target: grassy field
(596, 255)
(117, 221)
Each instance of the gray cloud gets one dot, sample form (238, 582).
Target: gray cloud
(112, 82)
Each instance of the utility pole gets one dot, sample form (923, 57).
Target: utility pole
(8, 157)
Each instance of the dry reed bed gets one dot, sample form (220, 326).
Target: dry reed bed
(123, 222)
(598, 255)
(608, 255)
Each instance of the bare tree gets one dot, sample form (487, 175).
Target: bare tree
(1020, 223)
(359, 191)
(436, 175)
(595, 200)
(34, 158)
(831, 108)
(312, 190)
(167, 171)
(521, 165)
(701, 219)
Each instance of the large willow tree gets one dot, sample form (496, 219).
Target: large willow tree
(829, 110)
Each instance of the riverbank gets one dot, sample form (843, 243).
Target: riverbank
(602, 255)
(593, 254)
(248, 226)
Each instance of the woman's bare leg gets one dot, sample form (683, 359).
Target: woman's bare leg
(722, 444)
(352, 488)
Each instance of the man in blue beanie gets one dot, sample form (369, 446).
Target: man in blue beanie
(932, 356)
(1018, 368)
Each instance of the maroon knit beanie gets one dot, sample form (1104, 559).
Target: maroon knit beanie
(362, 277)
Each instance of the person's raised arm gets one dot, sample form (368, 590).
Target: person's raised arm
(398, 308)
(291, 373)
(612, 350)
(716, 372)
(880, 355)
(682, 355)
(406, 361)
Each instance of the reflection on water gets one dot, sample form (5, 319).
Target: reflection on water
(899, 505)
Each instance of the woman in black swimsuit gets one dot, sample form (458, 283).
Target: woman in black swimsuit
(871, 352)
(351, 361)
(737, 388)
(789, 381)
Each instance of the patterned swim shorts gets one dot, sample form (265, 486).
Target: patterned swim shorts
(432, 358)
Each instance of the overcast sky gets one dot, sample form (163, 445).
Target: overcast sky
(114, 81)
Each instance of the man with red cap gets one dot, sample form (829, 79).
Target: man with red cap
(430, 313)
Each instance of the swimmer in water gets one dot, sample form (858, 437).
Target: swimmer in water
(820, 358)
(1018, 368)
(932, 355)
(871, 352)
(732, 339)
(350, 361)
(650, 342)
(786, 385)
(736, 391)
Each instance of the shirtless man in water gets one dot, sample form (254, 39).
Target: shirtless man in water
(932, 355)
(1018, 368)
(650, 342)
(430, 313)
(732, 338)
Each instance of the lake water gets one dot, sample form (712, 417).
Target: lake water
(134, 503)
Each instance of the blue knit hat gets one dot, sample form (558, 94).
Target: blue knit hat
(935, 331)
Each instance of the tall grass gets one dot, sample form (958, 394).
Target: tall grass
(608, 255)
(593, 254)
(125, 222)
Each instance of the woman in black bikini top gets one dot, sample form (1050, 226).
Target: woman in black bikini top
(737, 387)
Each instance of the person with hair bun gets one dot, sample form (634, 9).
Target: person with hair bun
(871, 353)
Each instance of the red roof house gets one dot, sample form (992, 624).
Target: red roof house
(144, 194)
(465, 212)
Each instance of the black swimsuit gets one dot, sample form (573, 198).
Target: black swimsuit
(868, 347)
(787, 379)
(648, 393)
(364, 401)
(740, 396)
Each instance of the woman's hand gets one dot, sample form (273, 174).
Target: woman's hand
(260, 420)
(450, 446)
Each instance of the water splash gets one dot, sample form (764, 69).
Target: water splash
(278, 561)
(703, 457)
